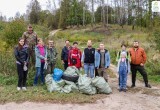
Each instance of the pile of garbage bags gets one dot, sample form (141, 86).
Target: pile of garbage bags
(84, 84)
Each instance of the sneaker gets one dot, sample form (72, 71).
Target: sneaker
(133, 86)
(148, 85)
(120, 90)
(124, 90)
(18, 88)
(24, 88)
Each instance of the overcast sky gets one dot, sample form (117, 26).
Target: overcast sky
(9, 8)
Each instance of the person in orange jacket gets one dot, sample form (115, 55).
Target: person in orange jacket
(74, 56)
(138, 59)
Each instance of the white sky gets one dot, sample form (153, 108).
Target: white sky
(9, 8)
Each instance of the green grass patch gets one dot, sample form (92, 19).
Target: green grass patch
(39, 94)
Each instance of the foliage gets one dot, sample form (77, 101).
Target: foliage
(13, 31)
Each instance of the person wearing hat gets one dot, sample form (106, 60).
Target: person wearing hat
(30, 39)
(123, 69)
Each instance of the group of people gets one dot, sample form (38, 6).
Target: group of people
(131, 61)
(31, 50)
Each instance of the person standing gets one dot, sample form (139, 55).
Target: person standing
(64, 54)
(74, 56)
(123, 49)
(30, 39)
(41, 59)
(123, 69)
(88, 59)
(138, 60)
(103, 61)
(51, 56)
(22, 59)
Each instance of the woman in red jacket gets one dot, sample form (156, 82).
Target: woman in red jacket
(74, 57)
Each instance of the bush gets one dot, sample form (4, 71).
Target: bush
(13, 31)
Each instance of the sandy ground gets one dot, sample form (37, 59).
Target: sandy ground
(139, 98)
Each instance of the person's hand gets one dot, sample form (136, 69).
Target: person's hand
(82, 65)
(142, 64)
(25, 63)
(62, 62)
(45, 59)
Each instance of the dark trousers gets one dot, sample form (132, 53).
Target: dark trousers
(96, 72)
(22, 76)
(134, 69)
(65, 64)
(50, 68)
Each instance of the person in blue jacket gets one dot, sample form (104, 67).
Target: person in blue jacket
(102, 61)
(41, 59)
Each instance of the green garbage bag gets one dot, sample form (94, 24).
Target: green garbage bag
(102, 85)
(51, 84)
(71, 70)
(85, 85)
(69, 87)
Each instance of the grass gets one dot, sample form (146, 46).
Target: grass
(8, 78)
(39, 94)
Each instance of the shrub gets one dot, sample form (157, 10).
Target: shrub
(13, 31)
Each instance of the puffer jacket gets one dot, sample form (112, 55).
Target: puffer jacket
(137, 56)
(21, 55)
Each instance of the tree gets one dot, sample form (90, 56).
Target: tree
(34, 9)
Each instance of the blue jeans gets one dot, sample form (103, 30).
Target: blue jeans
(122, 77)
(89, 69)
(39, 71)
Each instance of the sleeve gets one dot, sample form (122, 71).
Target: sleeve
(129, 56)
(27, 60)
(82, 59)
(144, 57)
(97, 59)
(107, 63)
(69, 58)
(118, 66)
(38, 54)
(46, 52)
(129, 66)
(17, 56)
(62, 54)
(117, 58)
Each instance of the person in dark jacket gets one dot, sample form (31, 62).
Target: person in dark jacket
(64, 54)
(88, 59)
(22, 58)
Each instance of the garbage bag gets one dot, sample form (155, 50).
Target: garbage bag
(102, 85)
(72, 70)
(61, 83)
(51, 84)
(57, 74)
(69, 87)
(85, 85)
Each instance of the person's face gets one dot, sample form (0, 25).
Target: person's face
(101, 46)
(50, 43)
(89, 43)
(67, 43)
(135, 44)
(123, 48)
(75, 45)
(30, 30)
(40, 42)
(123, 56)
(21, 42)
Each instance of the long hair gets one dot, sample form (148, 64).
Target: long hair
(19, 45)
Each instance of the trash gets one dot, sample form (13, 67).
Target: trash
(85, 86)
(101, 85)
(72, 70)
(51, 84)
(71, 74)
(57, 74)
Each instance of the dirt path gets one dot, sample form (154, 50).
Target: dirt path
(139, 98)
